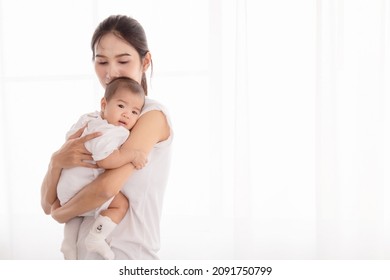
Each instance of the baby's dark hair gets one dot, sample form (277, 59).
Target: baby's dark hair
(123, 82)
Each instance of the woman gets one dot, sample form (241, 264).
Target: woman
(119, 48)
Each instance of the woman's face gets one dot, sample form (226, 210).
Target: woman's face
(115, 57)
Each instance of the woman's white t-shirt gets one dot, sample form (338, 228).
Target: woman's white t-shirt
(137, 236)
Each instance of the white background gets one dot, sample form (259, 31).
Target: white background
(279, 110)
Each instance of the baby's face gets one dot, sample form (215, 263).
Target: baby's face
(123, 109)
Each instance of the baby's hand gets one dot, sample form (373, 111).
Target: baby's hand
(139, 159)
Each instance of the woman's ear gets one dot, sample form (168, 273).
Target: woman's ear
(146, 62)
(103, 104)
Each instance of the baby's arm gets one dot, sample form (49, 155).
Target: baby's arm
(107, 151)
(118, 158)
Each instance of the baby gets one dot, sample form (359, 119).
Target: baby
(120, 109)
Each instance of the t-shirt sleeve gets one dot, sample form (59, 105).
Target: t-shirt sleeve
(111, 139)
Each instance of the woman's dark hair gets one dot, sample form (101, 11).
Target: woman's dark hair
(123, 82)
(127, 29)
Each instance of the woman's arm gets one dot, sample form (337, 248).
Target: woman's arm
(71, 154)
(151, 128)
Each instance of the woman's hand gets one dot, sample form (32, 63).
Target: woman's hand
(73, 153)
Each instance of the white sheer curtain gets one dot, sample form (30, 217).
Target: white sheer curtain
(352, 129)
(279, 110)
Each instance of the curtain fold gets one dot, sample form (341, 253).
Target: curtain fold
(242, 125)
(350, 130)
(5, 219)
(386, 126)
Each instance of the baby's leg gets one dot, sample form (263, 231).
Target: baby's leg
(105, 223)
(71, 231)
(117, 209)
